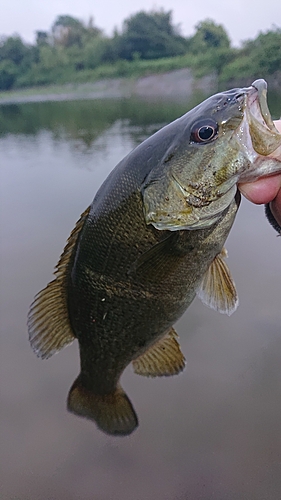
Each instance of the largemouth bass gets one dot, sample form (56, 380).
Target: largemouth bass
(152, 239)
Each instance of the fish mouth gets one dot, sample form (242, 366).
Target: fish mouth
(257, 133)
(261, 87)
(257, 136)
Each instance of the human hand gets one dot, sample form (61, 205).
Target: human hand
(267, 190)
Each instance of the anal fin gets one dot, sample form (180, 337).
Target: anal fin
(163, 358)
(218, 289)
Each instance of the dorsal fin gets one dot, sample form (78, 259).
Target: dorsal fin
(163, 358)
(48, 320)
(217, 289)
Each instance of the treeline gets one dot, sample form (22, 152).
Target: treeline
(73, 51)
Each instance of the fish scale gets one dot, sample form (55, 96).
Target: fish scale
(152, 239)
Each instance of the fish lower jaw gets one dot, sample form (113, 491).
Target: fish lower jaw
(263, 167)
(257, 135)
(259, 107)
(257, 165)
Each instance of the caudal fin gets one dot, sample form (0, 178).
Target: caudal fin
(113, 413)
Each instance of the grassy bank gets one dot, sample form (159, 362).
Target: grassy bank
(115, 80)
(119, 79)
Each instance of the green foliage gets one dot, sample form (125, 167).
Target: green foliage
(213, 61)
(13, 49)
(151, 35)
(240, 65)
(74, 51)
(97, 50)
(8, 73)
(209, 36)
(265, 51)
(259, 57)
(69, 31)
(210, 47)
(42, 38)
(15, 59)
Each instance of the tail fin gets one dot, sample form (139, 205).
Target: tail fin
(113, 413)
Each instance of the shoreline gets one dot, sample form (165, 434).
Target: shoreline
(177, 84)
(173, 85)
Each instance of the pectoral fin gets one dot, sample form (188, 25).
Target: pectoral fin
(217, 289)
(152, 265)
(164, 358)
(48, 319)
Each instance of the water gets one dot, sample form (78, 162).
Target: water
(212, 432)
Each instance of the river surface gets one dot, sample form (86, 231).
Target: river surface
(213, 432)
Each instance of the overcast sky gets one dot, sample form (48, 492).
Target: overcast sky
(242, 19)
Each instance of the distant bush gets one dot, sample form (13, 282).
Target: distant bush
(8, 74)
(148, 43)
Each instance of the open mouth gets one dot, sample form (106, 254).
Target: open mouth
(261, 109)
(263, 134)
(258, 138)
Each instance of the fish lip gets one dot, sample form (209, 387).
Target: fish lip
(257, 135)
(257, 102)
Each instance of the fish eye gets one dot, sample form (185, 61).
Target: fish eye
(204, 131)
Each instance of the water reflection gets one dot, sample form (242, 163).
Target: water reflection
(212, 432)
(86, 120)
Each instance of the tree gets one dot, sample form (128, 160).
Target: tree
(209, 35)
(42, 38)
(68, 31)
(265, 51)
(211, 46)
(97, 51)
(256, 58)
(15, 59)
(8, 74)
(13, 49)
(150, 35)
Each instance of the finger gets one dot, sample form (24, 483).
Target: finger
(266, 189)
(262, 190)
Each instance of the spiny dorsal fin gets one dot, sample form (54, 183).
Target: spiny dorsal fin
(217, 289)
(48, 320)
(113, 413)
(164, 358)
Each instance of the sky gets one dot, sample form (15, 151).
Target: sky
(242, 19)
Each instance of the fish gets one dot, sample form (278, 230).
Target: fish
(153, 239)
